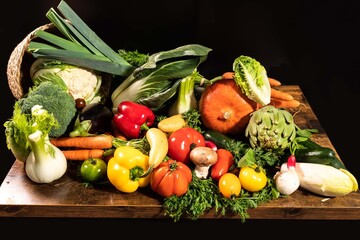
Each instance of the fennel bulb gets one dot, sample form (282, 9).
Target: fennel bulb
(45, 162)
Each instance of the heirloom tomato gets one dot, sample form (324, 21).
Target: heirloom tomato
(229, 185)
(253, 178)
(182, 141)
(171, 178)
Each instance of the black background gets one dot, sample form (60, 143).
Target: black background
(313, 44)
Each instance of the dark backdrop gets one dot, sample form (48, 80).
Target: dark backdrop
(312, 44)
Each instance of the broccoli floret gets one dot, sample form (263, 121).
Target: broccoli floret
(54, 99)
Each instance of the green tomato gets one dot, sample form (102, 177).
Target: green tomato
(93, 170)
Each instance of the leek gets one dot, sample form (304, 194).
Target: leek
(82, 47)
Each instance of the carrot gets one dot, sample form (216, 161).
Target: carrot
(273, 82)
(83, 154)
(102, 141)
(228, 75)
(276, 94)
(284, 104)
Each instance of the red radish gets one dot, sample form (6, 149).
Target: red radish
(211, 145)
(291, 161)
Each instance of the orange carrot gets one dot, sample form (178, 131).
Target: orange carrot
(276, 94)
(83, 154)
(284, 104)
(228, 75)
(102, 141)
(273, 82)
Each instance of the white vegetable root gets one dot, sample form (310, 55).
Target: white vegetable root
(286, 180)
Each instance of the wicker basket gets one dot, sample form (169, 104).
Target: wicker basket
(18, 68)
(20, 61)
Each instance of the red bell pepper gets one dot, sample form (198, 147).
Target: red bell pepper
(132, 118)
(223, 164)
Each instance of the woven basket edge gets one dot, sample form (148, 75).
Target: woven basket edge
(14, 70)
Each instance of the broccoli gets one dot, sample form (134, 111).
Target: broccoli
(54, 99)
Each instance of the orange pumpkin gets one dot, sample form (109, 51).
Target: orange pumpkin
(224, 108)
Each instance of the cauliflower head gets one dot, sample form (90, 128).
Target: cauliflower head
(79, 82)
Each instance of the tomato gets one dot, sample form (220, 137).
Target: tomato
(171, 178)
(93, 170)
(182, 141)
(229, 185)
(252, 179)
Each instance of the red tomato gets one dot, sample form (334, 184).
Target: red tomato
(171, 178)
(182, 141)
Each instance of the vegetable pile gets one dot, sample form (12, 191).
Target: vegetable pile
(226, 144)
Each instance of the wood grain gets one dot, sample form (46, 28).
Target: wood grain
(67, 197)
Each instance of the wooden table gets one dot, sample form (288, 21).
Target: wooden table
(68, 198)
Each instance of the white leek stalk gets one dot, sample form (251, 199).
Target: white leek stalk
(45, 162)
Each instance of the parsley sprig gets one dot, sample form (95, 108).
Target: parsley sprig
(203, 195)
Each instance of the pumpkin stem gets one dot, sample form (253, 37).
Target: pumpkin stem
(226, 115)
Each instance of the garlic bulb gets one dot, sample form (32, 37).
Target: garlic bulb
(287, 180)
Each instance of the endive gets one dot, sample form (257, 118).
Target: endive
(324, 180)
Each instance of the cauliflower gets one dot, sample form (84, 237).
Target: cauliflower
(79, 82)
(73, 78)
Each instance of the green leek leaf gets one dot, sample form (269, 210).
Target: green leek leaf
(85, 60)
(36, 46)
(89, 34)
(60, 42)
(70, 32)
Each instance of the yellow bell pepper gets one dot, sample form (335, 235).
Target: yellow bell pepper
(126, 168)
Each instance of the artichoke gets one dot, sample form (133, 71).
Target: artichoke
(270, 128)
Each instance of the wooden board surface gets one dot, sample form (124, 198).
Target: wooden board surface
(67, 196)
